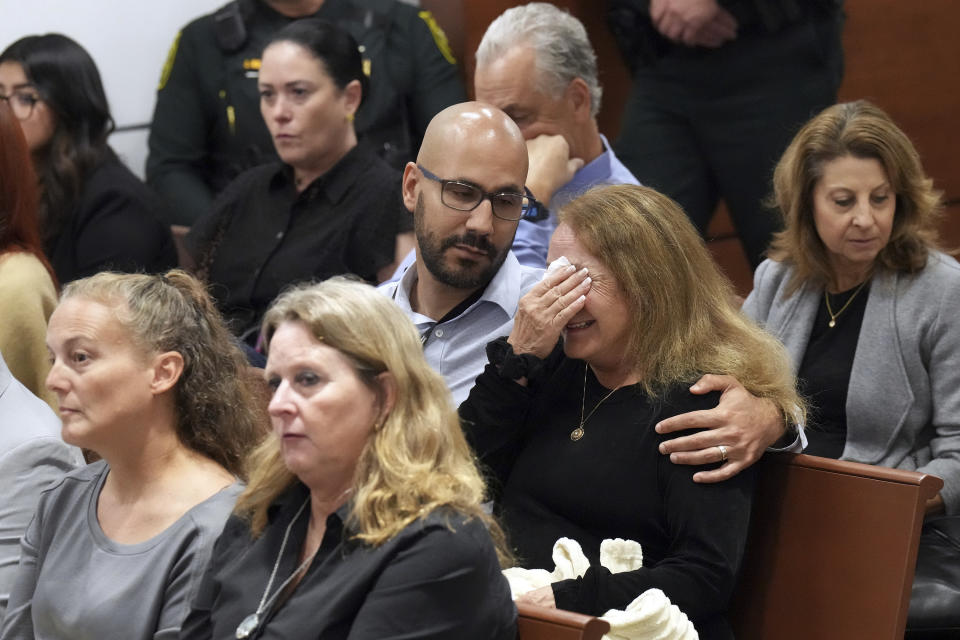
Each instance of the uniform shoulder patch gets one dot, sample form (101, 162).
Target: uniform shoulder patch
(168, 65)
(438, 36)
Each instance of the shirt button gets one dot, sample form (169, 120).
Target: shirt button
(438, 333)
(280, 235)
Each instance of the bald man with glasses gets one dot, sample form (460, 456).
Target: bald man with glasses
(467, 194)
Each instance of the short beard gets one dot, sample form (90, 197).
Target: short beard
(432, 251)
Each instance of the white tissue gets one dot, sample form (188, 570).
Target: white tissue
(555, 266)
(620, 555)
(569, 560)
(651, 616)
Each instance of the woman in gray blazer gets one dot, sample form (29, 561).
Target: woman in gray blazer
(870, 313)
(865, 304)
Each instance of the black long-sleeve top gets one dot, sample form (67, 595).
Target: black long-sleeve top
(263, 235)
(613, 483)
(438, 578)
(114, 225)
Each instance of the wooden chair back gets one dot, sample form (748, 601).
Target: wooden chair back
(540, 623)
(831, 551)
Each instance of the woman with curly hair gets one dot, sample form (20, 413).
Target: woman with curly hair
(148, 378)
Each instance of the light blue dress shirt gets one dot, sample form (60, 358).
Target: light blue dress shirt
(533, 238)
(456, 349)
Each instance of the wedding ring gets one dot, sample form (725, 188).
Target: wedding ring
(723, 452)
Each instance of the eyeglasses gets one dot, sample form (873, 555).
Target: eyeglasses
(464, 196)
(21, 103)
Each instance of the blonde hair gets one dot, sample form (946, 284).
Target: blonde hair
(861, 130)
(216, 404)
(417, 460)
(683, 322)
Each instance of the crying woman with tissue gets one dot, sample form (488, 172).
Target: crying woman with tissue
(631, 313)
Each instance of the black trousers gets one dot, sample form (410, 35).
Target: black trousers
(701, 124)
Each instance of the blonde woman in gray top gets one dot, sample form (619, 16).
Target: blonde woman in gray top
(148, 378)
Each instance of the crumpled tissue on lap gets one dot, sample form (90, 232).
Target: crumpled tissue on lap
(650, 616)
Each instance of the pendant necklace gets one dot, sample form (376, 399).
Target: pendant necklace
(577, 433)
(252, 622)
(834, 316)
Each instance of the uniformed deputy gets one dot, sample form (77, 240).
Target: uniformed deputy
(207, 126)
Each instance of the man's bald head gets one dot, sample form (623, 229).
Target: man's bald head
(488, 134)
(467, 147)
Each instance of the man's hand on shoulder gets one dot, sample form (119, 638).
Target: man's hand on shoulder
(551, 166)
(694, 23)
(737, 431)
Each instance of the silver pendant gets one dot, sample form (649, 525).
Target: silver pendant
(832, 324)
(576, 434)
(248, 626)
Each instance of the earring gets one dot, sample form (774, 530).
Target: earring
(349, 117)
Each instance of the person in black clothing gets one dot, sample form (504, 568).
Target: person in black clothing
(363, 517)
(94, 213)
(330, 207)
(207, 128)
(719, 89)
(569, 432)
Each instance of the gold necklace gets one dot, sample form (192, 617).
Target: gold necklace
(577, 433)
(834, 316)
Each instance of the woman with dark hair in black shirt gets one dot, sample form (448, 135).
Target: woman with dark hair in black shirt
(329, 207)
(94, 213)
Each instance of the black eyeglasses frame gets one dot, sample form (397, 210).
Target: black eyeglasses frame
(534, 211)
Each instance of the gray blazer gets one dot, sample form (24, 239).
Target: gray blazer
(903, 402)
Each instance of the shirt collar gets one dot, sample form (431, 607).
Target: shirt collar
(503, 290)
(597, 170)
(334, 184)
(5, 376)
(291, 499)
